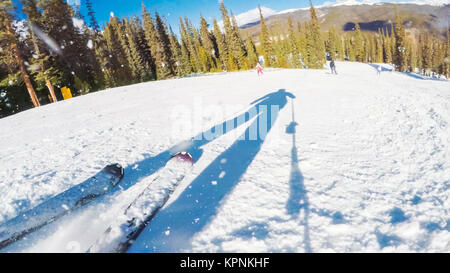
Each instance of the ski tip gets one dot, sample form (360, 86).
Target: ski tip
(184, 156)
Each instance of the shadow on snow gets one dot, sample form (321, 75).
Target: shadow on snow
(173, 228)
(409, 74)
(298, 199)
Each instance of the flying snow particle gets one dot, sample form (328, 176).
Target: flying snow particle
(78, 23)
(47, 40)
(73, 73)
(3, 94)
(214, 183)
(90, 44)
(112, 14)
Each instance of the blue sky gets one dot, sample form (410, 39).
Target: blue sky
(172, 9)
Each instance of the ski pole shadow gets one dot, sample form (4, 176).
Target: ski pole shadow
(298, 199)
(173, 227)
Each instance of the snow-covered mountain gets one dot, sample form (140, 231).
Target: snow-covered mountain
(372, 15)
(372, 2)
(353, 162)
(250, 17)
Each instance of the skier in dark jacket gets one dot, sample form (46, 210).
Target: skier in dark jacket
(333, 67)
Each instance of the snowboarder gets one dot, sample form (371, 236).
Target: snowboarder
(379, 70)
(259, 69)
(333, 67)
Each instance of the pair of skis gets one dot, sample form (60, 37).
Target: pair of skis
(127, 227)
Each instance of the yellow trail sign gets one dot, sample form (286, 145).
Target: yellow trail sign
(66, 93)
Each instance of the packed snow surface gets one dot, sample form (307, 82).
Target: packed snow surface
(352, 162)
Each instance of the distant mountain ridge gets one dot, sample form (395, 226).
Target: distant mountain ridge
(430, 15)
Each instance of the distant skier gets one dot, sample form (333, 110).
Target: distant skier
(259, 69)
(379, 70)
(333, 67)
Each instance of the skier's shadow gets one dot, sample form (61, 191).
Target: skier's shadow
(298, 199)
(173, 227)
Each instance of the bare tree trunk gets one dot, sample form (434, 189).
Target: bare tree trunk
(51, 89)
(23, 71)
(49, 85)
(26, 78)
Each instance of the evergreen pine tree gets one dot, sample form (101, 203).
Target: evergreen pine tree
(233, 62)
(206, 37)
(9, 41)
(73, 59)
(45, 73)
(151, 38)
(192, 44)
(251, 52)
(221, 45)
(427, 53)
(176, 54)
(447, 54)
(266, 43)
(138, 68)
(400, 54)
(301, 42)
(379, 46)
(293, 47)
(330, 45)
(315, 44)
(358, 42)
(387, 48)
(238, 45)
(117, 60)
(350, 51)
(164, 65)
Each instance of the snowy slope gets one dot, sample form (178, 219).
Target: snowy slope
(353, 163)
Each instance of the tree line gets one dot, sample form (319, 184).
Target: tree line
(53, 48)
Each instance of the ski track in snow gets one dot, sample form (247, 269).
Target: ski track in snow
(355, 163)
